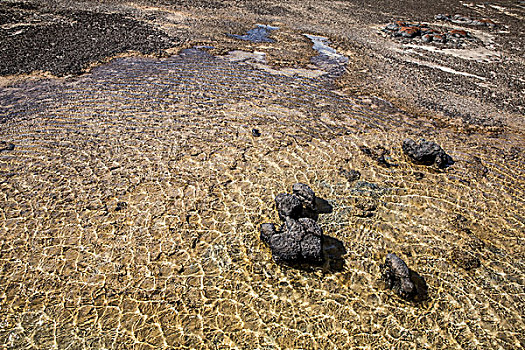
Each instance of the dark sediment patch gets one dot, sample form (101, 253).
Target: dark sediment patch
(67, 42)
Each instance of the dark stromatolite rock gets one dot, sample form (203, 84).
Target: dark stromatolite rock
(408, 284)
(441, 37)
(286, 244)
(305, 194)
(288, 205)
(464, 20)
(427, 153)
(300, 238)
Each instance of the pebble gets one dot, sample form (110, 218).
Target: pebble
(6, 146)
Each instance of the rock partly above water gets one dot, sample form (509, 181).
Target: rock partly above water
(426, 153)
(408, 284)
(300, 238)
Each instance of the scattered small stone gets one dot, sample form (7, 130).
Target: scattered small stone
(464, 259)
(419, 175)
(6, 146)
(300, 238)
(365, 207)
(378, 154)
(417, 31)
(350, 175)
(408, 284)
(121, 206)
(305, 194)
(427, 153)
(463, 20)
(256, 132)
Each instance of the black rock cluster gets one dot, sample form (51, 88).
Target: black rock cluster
(427, 153)
(299, 239)
(406, 283)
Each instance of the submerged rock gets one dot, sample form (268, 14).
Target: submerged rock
(408, 284)
(6, 146)
(464, 259)
(351, 175)
(298, 241)
(427, 153)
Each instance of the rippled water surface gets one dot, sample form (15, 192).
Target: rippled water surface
(130, 209)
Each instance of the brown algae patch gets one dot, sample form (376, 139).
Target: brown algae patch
(131, 202)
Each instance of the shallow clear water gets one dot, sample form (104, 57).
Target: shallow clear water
(130, 209)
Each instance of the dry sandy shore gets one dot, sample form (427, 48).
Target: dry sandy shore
(478, 86)
(132, 183)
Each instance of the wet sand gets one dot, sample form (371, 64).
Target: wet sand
(132, 197)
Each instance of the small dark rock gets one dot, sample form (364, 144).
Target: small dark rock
(6, 146)
(427, 153)
(427, 38)
(305, 194)
(419, 175)
(378, 154)
(121, 205)
(458, 33)
(439, 38)
(365, 206)
(256, 132)
(288, 205)
(406, 283)
(464, 259)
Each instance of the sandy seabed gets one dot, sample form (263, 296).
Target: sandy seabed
(131, 203)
